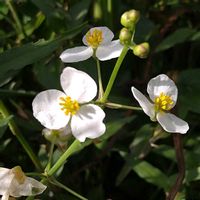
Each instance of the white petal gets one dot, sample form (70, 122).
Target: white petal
(5, 196)
(146, 105)
(5, 180)
(107, 52)
(162, 83)
(107, 35)
(76, 54)
(47, 111)
(28, 188)
(78, 85)
(171, 123)
(88, 122)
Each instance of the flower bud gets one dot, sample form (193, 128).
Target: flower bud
(56, 136)
(141, 50)
(130, 18)
(125, 36)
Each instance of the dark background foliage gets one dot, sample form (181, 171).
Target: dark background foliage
(128, 161)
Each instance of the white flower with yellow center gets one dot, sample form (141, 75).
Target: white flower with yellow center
(163, 93)
(56, 110)
(13, 182)
(98, 42)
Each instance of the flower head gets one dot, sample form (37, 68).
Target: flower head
(56, 109)
(16, 184)
(163, 93)
(98, 42)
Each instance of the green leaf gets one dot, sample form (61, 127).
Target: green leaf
(48, 74)
(4, 144)
(34, 24)
(139, 147)
(126, 169)
(166, 151)
(151, 174)
(179, 36)
(192, 174)
(144, 30)
(48, 7)
(2, 130)
(15, 59)
(140, 144)
(5, 121)
(3, 10)
(78, 11)
(180, 196)
(114, 126)
(196, 36)
(189, 91)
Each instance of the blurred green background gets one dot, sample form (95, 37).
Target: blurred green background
(127, 162)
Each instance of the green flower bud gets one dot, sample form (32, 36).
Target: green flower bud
(125, 36)
(130, 18)
(141, 50)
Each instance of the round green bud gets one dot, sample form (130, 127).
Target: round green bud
(130, 18)
(125, 36)
(141, 50)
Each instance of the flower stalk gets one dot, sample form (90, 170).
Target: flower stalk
(72, 148)
(19, 28)
(114, 74)
(50, 156)
(100, 95)
(181, 166)
(120, 106)
(57, 183)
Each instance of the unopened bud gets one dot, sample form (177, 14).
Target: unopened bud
(57, 136)
(125, 36)
(130, 18)
(141, 50)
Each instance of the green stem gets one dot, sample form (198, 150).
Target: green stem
(120, 106)
(57, 183)
(50, 157)
(35, 174)
(19, 27)
(73, 147)
(99, 79)
(114, 74)
(14, 129)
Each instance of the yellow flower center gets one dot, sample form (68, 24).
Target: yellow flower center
(19, 174)
(68, 105)
(94, 38)
(163, 102)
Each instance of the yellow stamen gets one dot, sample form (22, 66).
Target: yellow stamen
(19, 174)
(94, 38)
(68, 105)
(163, 102)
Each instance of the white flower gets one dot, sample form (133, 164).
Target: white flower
(56, 109)
(163, 92)
(13, 182)
(98, 41)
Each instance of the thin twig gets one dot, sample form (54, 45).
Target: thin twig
(181, 166)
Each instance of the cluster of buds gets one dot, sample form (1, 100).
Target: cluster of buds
(129, 20)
